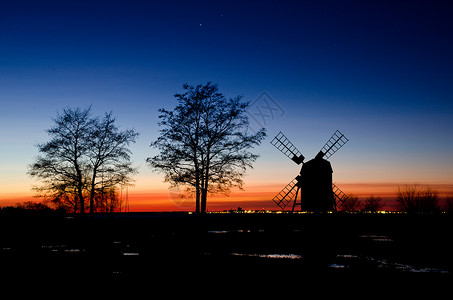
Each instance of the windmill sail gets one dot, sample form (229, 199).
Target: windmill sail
(339, 196)
(333, 144)
(282, 143)
(288, 193)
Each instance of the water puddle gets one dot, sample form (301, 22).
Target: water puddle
(130, 253)
(271, 255)
(337, 266)
(351, 260)
(235, 231)
(377, 238)
(219, 231)
(408, 268)
(61, 249)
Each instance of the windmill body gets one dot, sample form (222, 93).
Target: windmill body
(313, 189)
(316, 185)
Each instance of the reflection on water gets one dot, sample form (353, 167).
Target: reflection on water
(349, 260)
(347, 256)
(352, 261)
(61, 249)
(130, 253)
(377, 238)
(219, 231)
(235, 231)
(337, 262)
(124, 249)
(272, 255)
(337, 266)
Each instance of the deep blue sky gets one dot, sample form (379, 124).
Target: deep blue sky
(380, 71)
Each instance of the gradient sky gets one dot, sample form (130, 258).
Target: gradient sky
(379, 71)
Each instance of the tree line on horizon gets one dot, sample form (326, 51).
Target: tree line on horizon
(410, 198)
(203, 145)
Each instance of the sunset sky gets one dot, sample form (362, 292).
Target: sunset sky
(381, 72)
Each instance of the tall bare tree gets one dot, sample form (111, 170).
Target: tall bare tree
(83, 154)
(62, 165)
(204, 142)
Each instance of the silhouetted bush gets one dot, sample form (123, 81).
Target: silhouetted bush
(29, 208)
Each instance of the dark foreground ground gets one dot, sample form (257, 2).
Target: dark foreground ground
(259, 251)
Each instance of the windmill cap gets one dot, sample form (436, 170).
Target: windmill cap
(320, 155)
(298, 159)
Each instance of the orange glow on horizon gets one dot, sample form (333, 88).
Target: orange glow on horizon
(260, 197)
(252, 198)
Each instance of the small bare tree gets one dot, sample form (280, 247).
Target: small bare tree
(351, 204)
(449, 203)
(373, 204)
(416, 199)
(107, 200)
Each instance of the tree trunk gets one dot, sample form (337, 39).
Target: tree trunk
(92, 192)
(81, 200)
(80, 188)
(203, 201)
(197, 189)
(197, 198)
(92, 201)
(204, 189)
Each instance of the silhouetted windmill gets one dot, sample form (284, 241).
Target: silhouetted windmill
(314, 182)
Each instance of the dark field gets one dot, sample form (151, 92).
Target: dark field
(177, 249)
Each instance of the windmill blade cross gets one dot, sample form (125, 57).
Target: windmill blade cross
(282, 143)
(286, 194)
(339, 196)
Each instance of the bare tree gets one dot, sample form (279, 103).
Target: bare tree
(83, 154)
(416, 199)
(373, 204)
(449, 202)
(62, 165)
(351, 204)
(204, 142)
